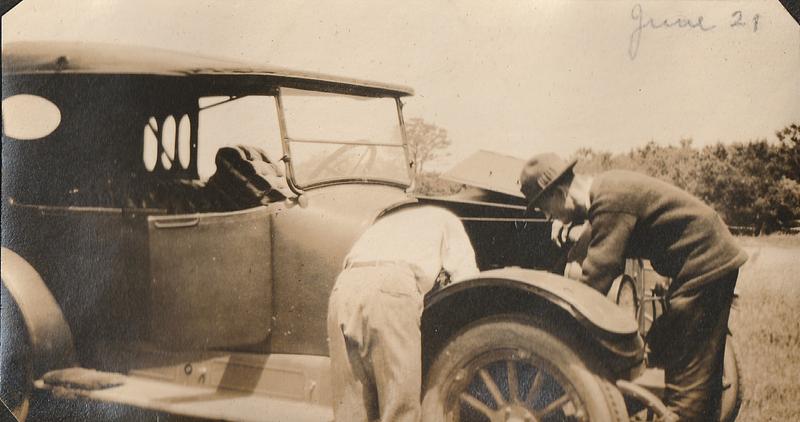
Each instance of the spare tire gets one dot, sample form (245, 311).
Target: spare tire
(511, 369)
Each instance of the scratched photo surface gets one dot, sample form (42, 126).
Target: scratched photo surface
(607, 82)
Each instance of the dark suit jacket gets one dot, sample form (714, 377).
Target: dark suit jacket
(639, 216)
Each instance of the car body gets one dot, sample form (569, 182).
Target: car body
(137, 282)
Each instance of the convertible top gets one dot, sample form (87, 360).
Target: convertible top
(98, 58)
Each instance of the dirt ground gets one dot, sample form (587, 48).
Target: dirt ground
(766, 328)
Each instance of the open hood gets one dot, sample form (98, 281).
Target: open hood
(490, 176)
(494, 213)
(489, 171)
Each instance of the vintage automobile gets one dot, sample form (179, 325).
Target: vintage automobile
(172, 226)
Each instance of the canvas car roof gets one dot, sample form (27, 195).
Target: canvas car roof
(35, 57)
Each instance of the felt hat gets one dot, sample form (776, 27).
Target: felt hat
(540, 174)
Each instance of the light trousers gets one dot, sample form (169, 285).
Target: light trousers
(374, 339)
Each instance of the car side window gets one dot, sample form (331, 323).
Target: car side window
(227, 121)
(29, 117)
(150, 146)
(168, 132)
(184, 141)
(174, 138)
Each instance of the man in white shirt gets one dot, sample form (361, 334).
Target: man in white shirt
(375, 309)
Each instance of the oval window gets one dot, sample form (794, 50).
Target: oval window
(150, 146)
(184, 139)
(168, 142)
(27, 117)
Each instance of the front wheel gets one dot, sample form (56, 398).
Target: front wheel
(510, 370)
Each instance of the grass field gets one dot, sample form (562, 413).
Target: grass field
(766, 328)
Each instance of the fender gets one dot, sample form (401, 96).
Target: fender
(50, 337)
(585, 304)
(565, 305)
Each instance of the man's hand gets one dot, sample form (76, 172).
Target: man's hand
(563, 234)
(442, 279)
(573, 270)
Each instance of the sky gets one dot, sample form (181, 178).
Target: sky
(515, 76)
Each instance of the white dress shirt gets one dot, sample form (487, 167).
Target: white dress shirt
(427, 237)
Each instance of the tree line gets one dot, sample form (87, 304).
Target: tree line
(755, 185)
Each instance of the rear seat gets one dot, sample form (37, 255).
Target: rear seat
(246, 177)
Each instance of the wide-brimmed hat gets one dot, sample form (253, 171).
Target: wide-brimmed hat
(540, 174)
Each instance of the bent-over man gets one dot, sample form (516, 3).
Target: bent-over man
(375, 309)
(631, 214)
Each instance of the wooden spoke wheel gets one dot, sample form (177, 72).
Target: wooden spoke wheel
(515, 371)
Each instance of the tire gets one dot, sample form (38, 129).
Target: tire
(732, 389)
(16, 367)
(469, 379)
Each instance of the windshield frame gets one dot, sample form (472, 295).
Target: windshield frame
(287, 148)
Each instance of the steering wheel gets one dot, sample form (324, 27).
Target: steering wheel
(337, 162)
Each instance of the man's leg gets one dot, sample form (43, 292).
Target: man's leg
(353, 393)
(395, 346)
(693, 368)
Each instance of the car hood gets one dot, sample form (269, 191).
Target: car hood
(489, 171)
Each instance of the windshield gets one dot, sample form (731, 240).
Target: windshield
(335, 137)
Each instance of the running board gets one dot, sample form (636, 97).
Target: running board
(237, 386)
(195, 401)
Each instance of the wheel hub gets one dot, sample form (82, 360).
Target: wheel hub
(517, 413)
(504, 388)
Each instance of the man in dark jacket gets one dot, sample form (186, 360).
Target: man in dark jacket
(633, 215)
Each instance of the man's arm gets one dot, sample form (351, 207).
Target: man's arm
(458, 256)
(605, 259)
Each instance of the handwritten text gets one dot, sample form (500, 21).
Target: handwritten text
(642, 22)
